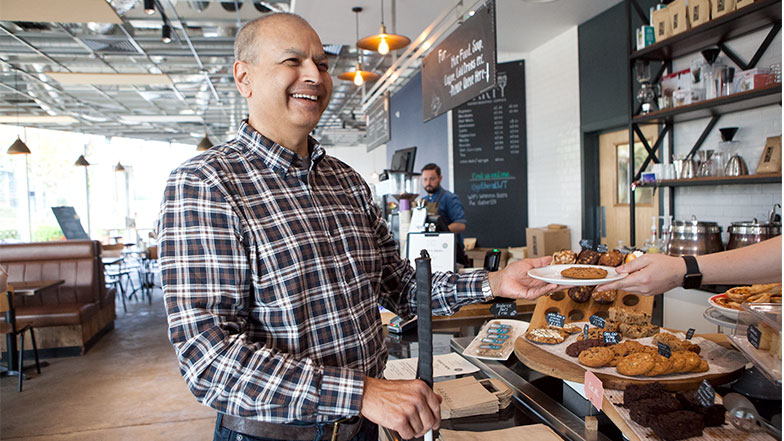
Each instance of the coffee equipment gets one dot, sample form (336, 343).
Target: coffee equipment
(735, 166)
(694, 238)
(751, 232)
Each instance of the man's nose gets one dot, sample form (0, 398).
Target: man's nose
(310, 72)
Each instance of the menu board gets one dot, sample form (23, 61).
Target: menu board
(489, 142)
(70, 223)
(462, 66)
(377, 122)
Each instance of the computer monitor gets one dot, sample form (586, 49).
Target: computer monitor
(403, 160)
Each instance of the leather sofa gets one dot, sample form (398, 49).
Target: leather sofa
(68, 318)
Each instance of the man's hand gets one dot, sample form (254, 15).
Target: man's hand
(513, 281)
(408, 407)
(649, 274)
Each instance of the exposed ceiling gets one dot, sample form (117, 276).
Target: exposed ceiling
(176, 91)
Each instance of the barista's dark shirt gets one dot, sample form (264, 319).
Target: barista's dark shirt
(449, 207)
(272, 275)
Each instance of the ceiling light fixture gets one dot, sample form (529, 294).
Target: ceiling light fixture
(119, 167)
(358, 76)
(149, 7)
(18, 147)
(81, 162)
(383, 42)
(166, 33)
(204, 144)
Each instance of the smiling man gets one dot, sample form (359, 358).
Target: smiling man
(274, 259)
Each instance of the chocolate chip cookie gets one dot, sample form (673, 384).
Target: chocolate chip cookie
(582, 272)
(638, 363)
(597, 356)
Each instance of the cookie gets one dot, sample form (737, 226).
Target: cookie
(612, 326)
(638, 331)
(574, 349)
(703, 367)
(564, 257)
(675, 343)
(625, 348)
(596, 357)
(662, 366)
(611, 258)
(692, 361)
(604, 297)
(580, 294)
(628, 316)
(678, 361)
(569, 329)
(581, 272)
(638, 363)
(588, 257)
(546, 336)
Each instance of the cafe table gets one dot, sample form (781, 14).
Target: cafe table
(29, 288)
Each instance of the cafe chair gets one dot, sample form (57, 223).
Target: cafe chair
(149, 269)
(119, 275)
(9, 328)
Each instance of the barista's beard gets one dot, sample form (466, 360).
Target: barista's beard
(434, 190)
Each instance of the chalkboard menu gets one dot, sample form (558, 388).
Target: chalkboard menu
(377, 122)
(489, 142)
(69, 223)
(462, 66)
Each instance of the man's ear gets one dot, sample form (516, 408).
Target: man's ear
(242, 78)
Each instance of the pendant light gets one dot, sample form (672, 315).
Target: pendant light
(81, 162)
(18, 147)
(204, 144)
(383, 42)
(358, 76)
(119, 167)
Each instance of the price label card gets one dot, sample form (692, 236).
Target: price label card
(601, 248)
(611, 337)
(586, 244)
(754, 335)
(690, 333)
(705, 394)
(597, 321)
(555, 319)
(594, 390)
(504, 309)
(665, 350)
(585, 332)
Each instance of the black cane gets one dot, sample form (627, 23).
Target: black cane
(424, 323)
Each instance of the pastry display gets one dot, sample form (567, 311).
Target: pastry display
(762, 293)
(580, 294)
(588, 257)
(604, 297)
(611, 258)
(579, 272)
(564, 257)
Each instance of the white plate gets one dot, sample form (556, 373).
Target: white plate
(552, 274)
(727, 312)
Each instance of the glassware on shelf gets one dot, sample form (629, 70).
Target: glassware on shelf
(646, 95)
(727, 81)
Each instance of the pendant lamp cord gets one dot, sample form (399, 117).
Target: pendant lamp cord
(359, 51)
(382, 12)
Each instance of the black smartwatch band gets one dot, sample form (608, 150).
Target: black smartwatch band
(693, 277)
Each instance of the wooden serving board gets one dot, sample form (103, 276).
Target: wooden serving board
(539, 359)
(561, 303)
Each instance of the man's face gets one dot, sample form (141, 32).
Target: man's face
(431, 181)
(287, 85)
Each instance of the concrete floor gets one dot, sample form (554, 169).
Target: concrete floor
(127, 387)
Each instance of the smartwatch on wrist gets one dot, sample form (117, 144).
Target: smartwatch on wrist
(693, 277)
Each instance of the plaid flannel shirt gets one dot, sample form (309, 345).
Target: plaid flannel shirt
(272, 273)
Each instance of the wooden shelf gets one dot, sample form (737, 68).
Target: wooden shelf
(749, 99)
(758, 15)
(719, 180)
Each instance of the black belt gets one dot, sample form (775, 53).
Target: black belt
(341, 430)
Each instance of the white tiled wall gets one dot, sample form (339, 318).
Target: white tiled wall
(553, 123)
(364, 162)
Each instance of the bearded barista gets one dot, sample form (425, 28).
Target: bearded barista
(442, 202)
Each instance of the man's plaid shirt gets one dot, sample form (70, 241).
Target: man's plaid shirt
(272, 273)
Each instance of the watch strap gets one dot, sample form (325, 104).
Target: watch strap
(693, 277)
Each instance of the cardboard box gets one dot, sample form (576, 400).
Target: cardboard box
(544, 241)
(770, 160)
(679, 21)
(721, 7)
(741, 3)
(752, 79)
(661, 24)
(699, 12)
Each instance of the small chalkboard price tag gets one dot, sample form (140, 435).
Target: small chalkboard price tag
(611, 337)
(601, 248)
(597, 321)
(555, 319)
(705, 394)
(754, 335)
(586, 244)
(690, 333)
(585, 332)
(665, 350)
(504, 309)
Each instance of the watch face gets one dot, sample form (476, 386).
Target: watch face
(691, 281)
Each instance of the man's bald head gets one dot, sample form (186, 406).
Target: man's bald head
(246, 45)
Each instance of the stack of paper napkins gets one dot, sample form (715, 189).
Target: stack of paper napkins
(468, 396)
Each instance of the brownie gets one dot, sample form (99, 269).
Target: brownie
(636, 392)
(580, 294)
(688, 400)
(588, 257)
(714, 415)
(643, 412)
(574, 349)
(677, 425)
